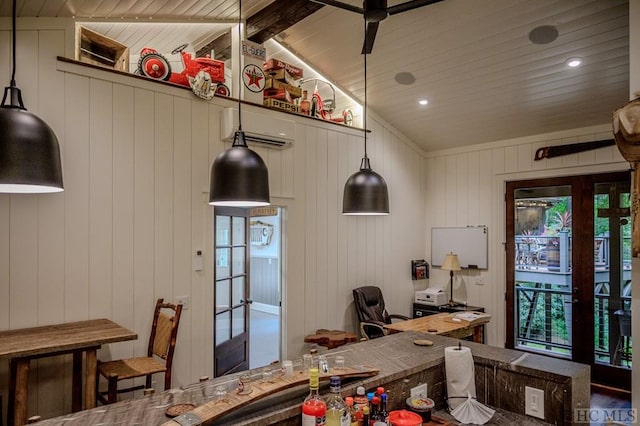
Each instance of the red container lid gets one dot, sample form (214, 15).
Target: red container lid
(404, 418)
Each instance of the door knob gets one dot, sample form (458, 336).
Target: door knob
(246, 302)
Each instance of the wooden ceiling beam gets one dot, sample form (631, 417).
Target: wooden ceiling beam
(268, 22)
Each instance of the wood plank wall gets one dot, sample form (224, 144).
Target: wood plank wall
(136, 158)
(465, 187)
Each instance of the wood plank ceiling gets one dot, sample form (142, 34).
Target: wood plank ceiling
(473, 60)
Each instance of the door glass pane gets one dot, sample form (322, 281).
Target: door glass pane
(222, 263)
(238, 291)
(238, 230)
(238, 321)
(222, 323)
(612, 283)
(238, 260)
(543, 289)
(223, 227)
(222, 295)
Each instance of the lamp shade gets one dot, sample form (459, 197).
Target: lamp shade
(365, 192)
(239, 177)
(451, 263)
(29, 153)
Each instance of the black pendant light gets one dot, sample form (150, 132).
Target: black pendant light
(365, 192)
(239, 176)
(29, 151)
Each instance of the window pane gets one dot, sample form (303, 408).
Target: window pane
(238, 321)
(223, 225)
(238, 261)
(238, 230)
(222, 327)
(238, 290)
(222, 295)
(222, 263)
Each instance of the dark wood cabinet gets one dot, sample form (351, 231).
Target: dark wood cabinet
(420, 310)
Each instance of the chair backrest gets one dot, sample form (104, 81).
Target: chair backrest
(164, 331)
(370, 304)
(624, 322)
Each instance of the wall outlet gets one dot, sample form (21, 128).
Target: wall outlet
(480, 280)
(419, 391)
(185, 302)
(534, 402)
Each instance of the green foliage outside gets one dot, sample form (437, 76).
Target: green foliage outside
(558, 328)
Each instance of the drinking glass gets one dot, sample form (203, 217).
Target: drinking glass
(307, 362)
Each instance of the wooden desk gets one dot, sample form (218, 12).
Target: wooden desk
(442, 324)
(21, 346)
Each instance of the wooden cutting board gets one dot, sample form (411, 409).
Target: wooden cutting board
(260, 389)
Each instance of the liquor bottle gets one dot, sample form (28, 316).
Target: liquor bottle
(365, 416)
(384, 414)
(314, 409)
(337, 414)
(360, 400)
(351, 410)
(374, 415)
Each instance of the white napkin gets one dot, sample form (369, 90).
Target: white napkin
(472, 411)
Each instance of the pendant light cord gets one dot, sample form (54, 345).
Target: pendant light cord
(13, 24)
(365, 92)
(239, 64)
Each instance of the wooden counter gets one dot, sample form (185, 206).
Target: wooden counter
(402, 365)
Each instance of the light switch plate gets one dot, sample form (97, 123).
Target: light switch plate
(419, 391)
(534, 402)
(184, 300)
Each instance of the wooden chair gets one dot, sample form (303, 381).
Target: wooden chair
(162, 344)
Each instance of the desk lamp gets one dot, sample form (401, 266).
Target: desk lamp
(451, 263)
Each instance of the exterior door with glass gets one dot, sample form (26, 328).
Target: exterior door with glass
(231, 292)
(569, 271)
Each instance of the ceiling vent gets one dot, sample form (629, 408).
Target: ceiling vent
(260, 129)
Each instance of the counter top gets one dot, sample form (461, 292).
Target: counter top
(396, 356)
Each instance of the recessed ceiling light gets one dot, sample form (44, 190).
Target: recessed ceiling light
(423, 101)
(574, 62)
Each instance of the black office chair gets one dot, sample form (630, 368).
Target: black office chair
(372, 313)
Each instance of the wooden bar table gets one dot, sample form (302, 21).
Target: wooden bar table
(23, 345)
(444, 324)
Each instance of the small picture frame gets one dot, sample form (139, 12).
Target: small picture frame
(419, 269)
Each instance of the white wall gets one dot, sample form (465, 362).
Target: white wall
(136, 157)
(466, 186)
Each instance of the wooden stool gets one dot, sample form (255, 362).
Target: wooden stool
(331, 338)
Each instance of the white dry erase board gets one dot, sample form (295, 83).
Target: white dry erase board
(469, 243)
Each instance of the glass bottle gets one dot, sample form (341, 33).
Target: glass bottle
(314, 409)
(353, 413)
(337, 414)
(360, 400)
(384, 414)
(374, 415)
(365, 416)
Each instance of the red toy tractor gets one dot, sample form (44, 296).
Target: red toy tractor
(153, 64)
